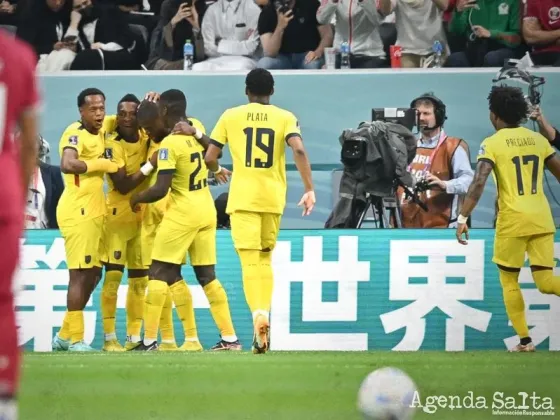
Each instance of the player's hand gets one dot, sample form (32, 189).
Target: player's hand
(223, 176)
(434, 181)
(308, 202)
(183, 127)
(462, 228)
(134, 205)
(152, 96)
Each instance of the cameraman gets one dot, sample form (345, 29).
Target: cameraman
(545, 128)
(291, 37)
(442, 164)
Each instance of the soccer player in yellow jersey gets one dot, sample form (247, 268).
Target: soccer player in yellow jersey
(257, 134)
(188, 225)
(127, 146)
(81, 210)
(517, 156)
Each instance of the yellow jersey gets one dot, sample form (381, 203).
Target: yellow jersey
(257, 136)
(83, 197)
(190, 200)
(518, 156)
(131, 156)
(153, 212)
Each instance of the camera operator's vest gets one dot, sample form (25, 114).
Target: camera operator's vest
(439, 203)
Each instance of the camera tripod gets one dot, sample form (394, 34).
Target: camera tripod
(385, 210)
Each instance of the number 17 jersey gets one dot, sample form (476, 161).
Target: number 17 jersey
(257, 136)
(518, 156)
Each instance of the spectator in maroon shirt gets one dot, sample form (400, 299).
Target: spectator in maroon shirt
(541, 29)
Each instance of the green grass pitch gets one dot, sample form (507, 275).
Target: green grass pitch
(275, 386)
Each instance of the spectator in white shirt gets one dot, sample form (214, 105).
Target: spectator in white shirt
(231, 39)
(357, 22)
(419, 25)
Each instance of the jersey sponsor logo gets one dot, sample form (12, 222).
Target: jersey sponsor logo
(73, 140)
(108, 153)
(163, 154)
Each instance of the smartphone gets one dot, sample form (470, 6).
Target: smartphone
(189, 3)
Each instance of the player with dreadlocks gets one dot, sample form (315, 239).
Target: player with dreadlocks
(517, 156)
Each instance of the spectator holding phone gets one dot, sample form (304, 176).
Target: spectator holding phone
(291, 37)
(179, 21)
(493, 31)
(541, 30)
(43, 24)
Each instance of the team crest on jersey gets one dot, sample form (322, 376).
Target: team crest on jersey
(118, 255)
(108, 153)
(163, 154)
(73, 140)
(503, 9)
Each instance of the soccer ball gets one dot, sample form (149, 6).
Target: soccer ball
(387, 394)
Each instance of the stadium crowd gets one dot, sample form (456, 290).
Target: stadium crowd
(283, 34)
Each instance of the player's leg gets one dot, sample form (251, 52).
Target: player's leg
(170, 247)
(540, 250)
(509, 255)
(9, 372)
(82, 245)
(148, 234)
(116, 236)
(202, 254)
(270, 227)
(246, 235)
(137, 284)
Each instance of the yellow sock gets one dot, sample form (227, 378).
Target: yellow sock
(135, 306)
(157, 292)
(514, 303)
(546, 282)
(251, 278)
(64, 332)
(166, 321)
(267, 279)
(76, 323)
(184, 305)
(219, 308)
(109, 302)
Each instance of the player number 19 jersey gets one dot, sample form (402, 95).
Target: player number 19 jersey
(257, 135)
(518, 156)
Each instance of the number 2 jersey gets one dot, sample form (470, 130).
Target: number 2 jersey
(518, 156)
(257, 136)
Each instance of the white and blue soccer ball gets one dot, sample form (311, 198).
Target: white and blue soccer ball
(387, 394)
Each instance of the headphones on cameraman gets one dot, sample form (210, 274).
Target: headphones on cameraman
(439, 108)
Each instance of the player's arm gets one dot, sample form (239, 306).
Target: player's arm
(125, 183)
(70, 162)
(183, 127)
(483, 170)
(157, 191)
(553, 165)
(217, 141)
(304, 168)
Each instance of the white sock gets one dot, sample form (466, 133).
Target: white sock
(8, 410)
(229, 338)
(167, 341)
(192, 339)
(148, 341)
(109, 337)
(133, 339)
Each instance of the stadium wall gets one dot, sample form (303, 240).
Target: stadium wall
(334, 290)
(325, 103)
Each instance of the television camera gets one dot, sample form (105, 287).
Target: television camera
(376, 156)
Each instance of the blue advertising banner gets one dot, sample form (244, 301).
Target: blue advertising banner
(402, 290)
